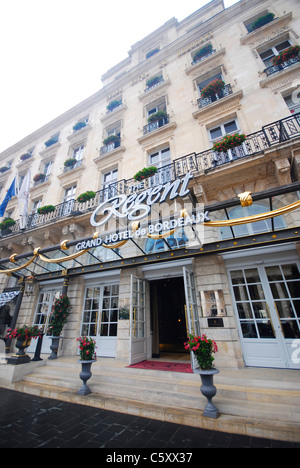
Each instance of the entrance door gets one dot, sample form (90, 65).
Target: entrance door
(192, 319)
(267, 302)
(138, 348)
(100, 318)
(42, 317)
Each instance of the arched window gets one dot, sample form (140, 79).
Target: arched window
(251, 228)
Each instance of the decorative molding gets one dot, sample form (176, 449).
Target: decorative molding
(155, 92)
(219, 107)
(210, 62)
(166, 131)
(282, 77)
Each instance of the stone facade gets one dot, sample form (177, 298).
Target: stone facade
(253, 99)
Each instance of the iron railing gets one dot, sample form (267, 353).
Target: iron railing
(275, 68)
(203, 102)
(274, 133)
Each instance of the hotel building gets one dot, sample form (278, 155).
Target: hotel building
(209, 241)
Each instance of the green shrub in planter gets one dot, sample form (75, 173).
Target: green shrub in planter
(152, 52)
(79, 125)
(111, 139)
(153, 81)
(51, 141)
(39, 178)
(6, 224)
(70, 162)
(46, 209)
(205, 50)
(261, 21)
(113, 104)
(86, 196)
(4, 169)
(157, 116)
(145, 173)
(25, 156)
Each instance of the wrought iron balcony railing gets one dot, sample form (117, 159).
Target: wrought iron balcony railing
(272, 134)
(203, 102)
(150, 127)
(276, 68)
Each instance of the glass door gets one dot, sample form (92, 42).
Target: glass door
(191, 310)
(100, 318)
(42, 318)
(138, 349)
(267, 301)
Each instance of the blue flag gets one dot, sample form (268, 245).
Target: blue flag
(10, 193)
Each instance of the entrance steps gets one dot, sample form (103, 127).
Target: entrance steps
(256, 402)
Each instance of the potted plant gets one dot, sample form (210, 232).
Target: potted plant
(78, 126)
(6, 224)
(60, 313)
(153, 81)
(23, 335)
(228, 142)
(51, 142)
(4, 169)
(261, 21)
(25, 156)
(39, 178)
(159, 115)
(145, 173)
(151, 53)
(70, 162)
(213, 88)
(287, 54)
(87, 347)
(200, 53)
(203, 348)
(111, 139)
(86, 196)
(113, 105)
(46, 209)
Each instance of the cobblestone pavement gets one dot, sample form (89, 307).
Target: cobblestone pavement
(28, 421)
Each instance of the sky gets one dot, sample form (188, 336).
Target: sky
(54, 52)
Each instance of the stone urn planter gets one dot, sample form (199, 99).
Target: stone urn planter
(20, 357)
(54, 346)
(85, 375)
(208, 390)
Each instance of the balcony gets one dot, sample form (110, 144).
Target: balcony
(275, 133)
(150, 127)
(110, 147)
(276, 68)
(203, 102)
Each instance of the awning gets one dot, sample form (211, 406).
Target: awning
(7, 297)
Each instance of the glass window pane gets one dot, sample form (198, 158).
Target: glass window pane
(290, 271)
(216, 133)
(113, 315)
(260, 310)
(105, 316)
(104, 329)
(274, 273)
(244, 310)
(230, 127)
(241, 293)
(294, 288)
(297, 307)
(278, 290)
(237, 277)
(290, 328)
(252, 276)
(249, 330)
(113, 329)
(256, 292)
(265, 329)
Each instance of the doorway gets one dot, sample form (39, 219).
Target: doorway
(168, 321)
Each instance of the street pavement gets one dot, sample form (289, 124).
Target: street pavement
(27, 421)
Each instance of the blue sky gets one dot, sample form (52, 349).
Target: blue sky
(54, 52)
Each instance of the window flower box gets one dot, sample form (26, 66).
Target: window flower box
(39, 178)
(46, 209)
(113, 105)
(213, 88)
(200, 53)
(86, 196)
(157, 116)
(151, 53)
(111, 139)
(153, 81)
(79, 126)
(51, 142)
(145, 173)
(25, 156)
(70, 162)
(261, 21)
(6, 224)
(228, 142)
(3, 169)
(286, 55)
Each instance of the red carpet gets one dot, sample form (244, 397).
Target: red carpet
(164, 366)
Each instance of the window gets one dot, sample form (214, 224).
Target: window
(47, 169)
(70, 193)
(217, 133)
(268, 55)
(292, 101)
(175, 241)
(68, 200)
(110, 183)
(36, 205)
(251, 228)
(162, 160)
